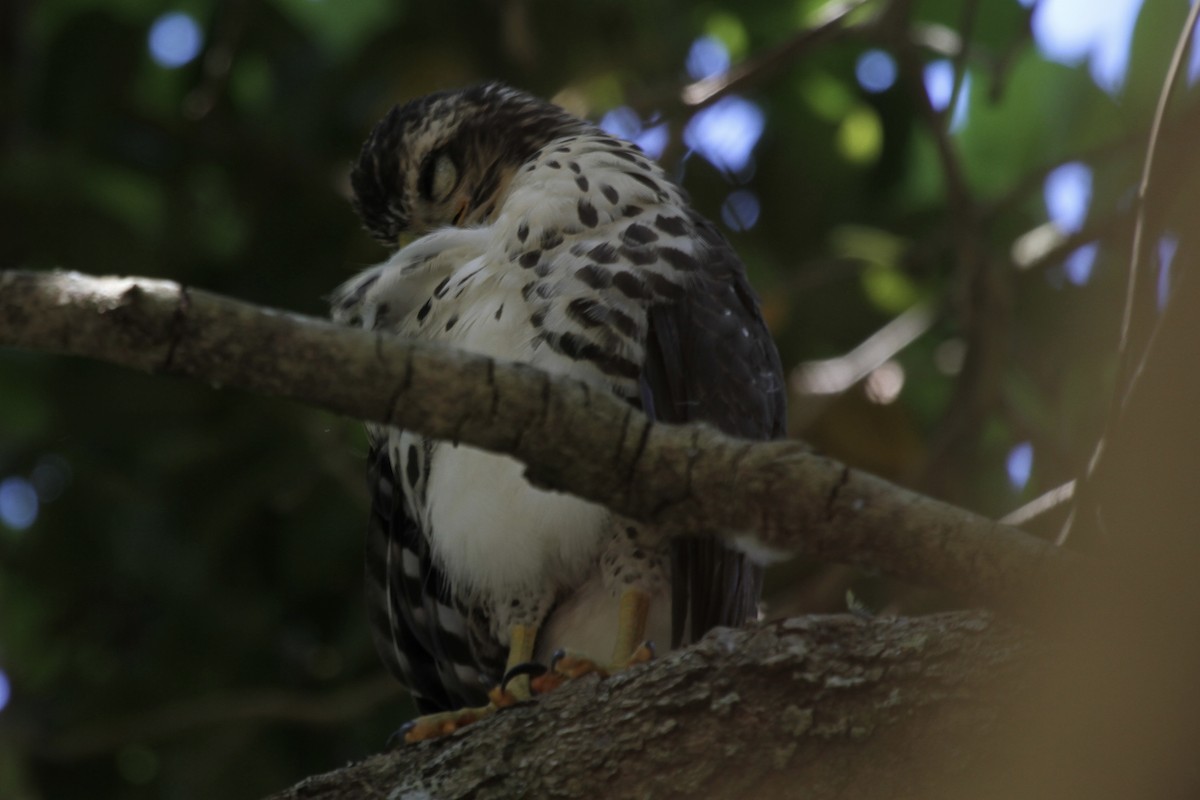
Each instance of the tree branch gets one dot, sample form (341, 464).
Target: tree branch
(814, 707)
(772, 497)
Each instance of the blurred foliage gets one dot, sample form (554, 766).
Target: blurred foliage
(197, 552)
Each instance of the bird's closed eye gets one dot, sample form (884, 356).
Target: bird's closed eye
(439, 176)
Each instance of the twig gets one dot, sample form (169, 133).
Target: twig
(1059, 246)
(1129, 369)
(960, 201)
(965, 30)
(737, 78)
(821, 381)
(1173, 73)
(218, 59)
(1040, 504)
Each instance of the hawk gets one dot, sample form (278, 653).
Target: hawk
(542, 239)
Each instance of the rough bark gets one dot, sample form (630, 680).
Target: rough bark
(814, 707)
(774, 497)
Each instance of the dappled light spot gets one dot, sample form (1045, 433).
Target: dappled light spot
(1019, 465)
(829, 98)
(888, 288)
(726, 132)
(1068, 191)
(860, 136)
(1073, 31)
(740, 210)
(885, 382)
(1193, 69)
(174, 39)
(18, 503)
(1078, 265)
(1168, 244)
(939, 85)
(706, 58)
(653, 140)
(623, 122)
(875, 70)
(728, 29)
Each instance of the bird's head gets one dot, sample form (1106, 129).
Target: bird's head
(445, 158)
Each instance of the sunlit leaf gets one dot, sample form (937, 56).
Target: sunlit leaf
(1046, 112)
(730, 31)
(860, 137)
(831, 98)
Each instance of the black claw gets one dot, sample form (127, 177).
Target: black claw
(397, 737)
(559, 655)
(649, 645)
(530, 668)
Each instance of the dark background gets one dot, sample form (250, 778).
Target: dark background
(180, 609)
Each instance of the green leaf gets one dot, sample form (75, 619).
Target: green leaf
(340, 27)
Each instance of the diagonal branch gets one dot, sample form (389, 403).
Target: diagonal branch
(774, 498)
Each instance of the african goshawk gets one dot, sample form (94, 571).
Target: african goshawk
(542, 239)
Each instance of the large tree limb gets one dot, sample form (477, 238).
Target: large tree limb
(772, 496)
(815, 707)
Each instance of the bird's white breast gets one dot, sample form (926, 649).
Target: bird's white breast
(492, 534)
(491, 531)
(508, 290)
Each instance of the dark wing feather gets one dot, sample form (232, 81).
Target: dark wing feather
(710, 358)
(408, 613)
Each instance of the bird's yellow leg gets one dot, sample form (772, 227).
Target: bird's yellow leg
(631, 629)
(522, 639)
(629, 648)
(507, 693)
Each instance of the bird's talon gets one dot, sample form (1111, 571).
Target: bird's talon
(570, 666)
(400, 735)
(433, 726)
(531, 668)
(643, 654)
